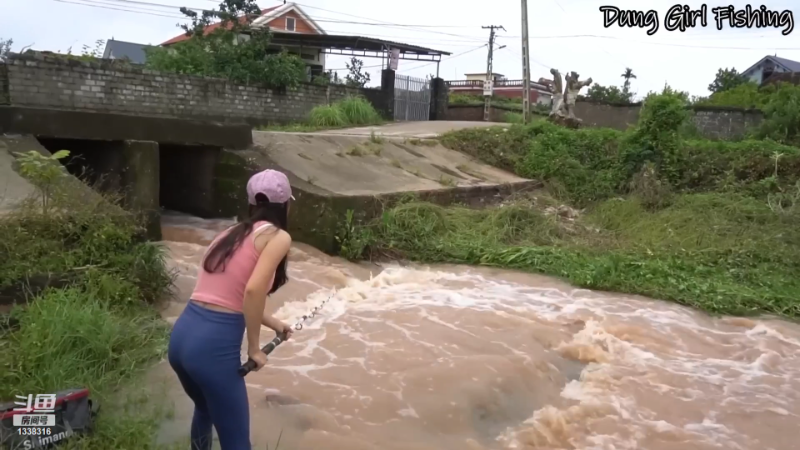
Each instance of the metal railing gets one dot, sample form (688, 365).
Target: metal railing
(478, 84)
(412, 98)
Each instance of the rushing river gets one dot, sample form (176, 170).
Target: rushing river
(453, 358)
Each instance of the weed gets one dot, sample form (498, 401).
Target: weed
(356, 150)
(374, 148)
(340, 154)
(447, 181)
(311, 180)
(396, 163)
(353, 240)
(374, 138)
(304, 156)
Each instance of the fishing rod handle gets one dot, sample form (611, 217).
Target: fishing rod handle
(267, 349)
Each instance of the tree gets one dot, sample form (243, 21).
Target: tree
(356, 77)
(627, 75)
(608, 94)
(234, 50)
(726, 79)
(5, 48)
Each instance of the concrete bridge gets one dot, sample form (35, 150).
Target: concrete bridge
(201, 168)
(186, 143)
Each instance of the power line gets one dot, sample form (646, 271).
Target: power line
(385, 23)
(121, 9)
(668, 44)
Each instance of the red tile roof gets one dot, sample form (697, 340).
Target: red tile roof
(210, 28)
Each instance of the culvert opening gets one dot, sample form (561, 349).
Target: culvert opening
(187, 179)
(96, 163)
(185, 172)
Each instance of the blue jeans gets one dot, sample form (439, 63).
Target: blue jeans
(204, 351)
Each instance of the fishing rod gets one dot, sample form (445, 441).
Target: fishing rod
(281, 337)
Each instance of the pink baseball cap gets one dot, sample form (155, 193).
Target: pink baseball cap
(271, 183)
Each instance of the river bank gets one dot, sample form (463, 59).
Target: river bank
(651, 211)
(90, 281)
(450, 357)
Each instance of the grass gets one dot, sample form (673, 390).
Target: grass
(99, 331)
(351, 111)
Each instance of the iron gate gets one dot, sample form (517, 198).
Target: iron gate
(412, 98)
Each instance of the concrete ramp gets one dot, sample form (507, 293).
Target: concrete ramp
(14, 188)
(363, 164)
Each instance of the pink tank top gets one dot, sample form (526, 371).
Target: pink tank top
(226, 288)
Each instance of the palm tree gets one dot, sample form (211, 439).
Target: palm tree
(628, 74)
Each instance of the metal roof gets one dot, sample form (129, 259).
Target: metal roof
(788, 64)
(121, 50)
(351, 43)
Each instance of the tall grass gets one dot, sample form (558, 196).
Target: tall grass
(327, 116)
(358, 111)
(351, 111)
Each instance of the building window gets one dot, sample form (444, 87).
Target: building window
(290, 24)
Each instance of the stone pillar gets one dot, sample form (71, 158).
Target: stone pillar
(387, 86)
(141, 181)
(439, 99)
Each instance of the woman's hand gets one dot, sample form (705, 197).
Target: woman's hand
(259, 357)
(285, 328)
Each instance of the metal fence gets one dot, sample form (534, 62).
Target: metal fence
(412, 98)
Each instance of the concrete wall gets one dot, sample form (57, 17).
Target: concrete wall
(475, 113)
(711, 122)
(49, 81)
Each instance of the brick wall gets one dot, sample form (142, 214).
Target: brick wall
(711, 122)
(48, 81)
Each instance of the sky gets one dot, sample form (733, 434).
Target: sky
(565, 34)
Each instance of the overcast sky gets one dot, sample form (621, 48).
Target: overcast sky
(565, 34)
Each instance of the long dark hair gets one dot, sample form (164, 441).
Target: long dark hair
(221, 252)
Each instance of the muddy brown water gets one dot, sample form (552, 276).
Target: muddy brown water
(451, 357)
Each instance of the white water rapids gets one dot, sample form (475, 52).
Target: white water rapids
(451, 357)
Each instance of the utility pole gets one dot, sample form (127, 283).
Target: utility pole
(487, 102)
(526, 66)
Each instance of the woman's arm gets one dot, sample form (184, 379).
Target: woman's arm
(272, 323)
(255, 293)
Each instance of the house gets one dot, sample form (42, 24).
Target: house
(286, 19)
(473, 85)
(125, 50)
(768, 65)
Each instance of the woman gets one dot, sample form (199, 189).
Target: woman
(243, 265)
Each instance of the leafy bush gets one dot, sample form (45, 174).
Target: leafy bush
(782, 115)
(585, 162)
(592, 164)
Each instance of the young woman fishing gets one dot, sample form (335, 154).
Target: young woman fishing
(243, 265)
